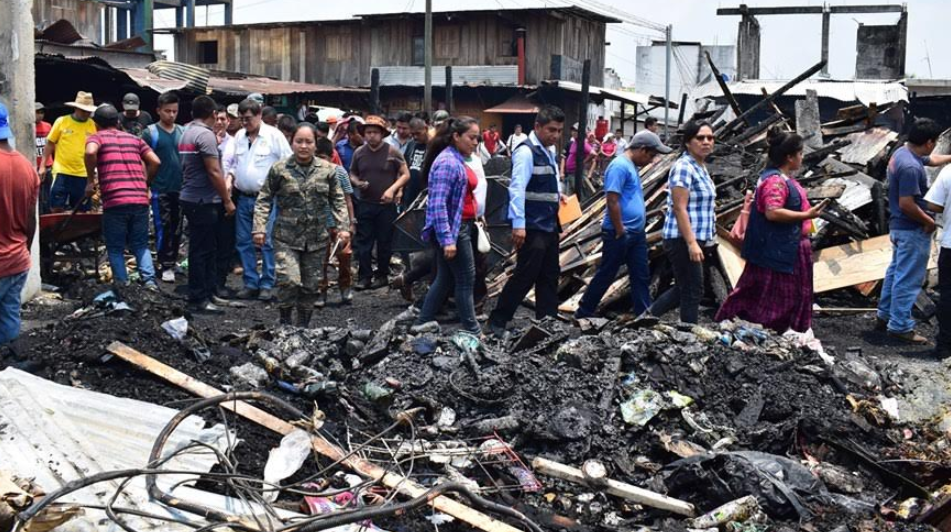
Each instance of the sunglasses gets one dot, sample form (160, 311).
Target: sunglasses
(703, 138)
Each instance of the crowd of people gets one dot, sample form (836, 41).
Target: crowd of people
(281, 197)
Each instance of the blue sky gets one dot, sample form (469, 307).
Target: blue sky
(790, 44)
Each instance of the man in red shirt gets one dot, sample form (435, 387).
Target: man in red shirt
(19, 189)
(114, 160)
(491, 139)
(42, 131)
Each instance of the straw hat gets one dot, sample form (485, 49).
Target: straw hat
(83, 102)
(377, 121)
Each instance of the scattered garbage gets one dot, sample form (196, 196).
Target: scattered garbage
(286, 459)
(177, 328)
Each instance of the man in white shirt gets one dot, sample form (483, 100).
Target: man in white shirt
(401, 135)
(249, 158)
(939, 200)
(621, 141)
(515, 139)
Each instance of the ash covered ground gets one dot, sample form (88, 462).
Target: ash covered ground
(664, 407)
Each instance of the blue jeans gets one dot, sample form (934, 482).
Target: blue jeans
(67, 191)
(460, 269)
(128, 226)
(247, 251)
(911, 249)
(630, 250)
(10, 288)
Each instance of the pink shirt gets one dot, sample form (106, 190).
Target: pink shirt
(773, 194)
(119, 165)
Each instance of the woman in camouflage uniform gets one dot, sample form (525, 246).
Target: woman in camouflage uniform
(303, 189)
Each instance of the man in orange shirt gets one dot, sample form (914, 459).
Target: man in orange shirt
(19, 189)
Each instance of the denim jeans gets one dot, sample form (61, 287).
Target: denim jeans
(203, 221)
(67, 191)
(10, 288)
(461, 270)
(911, 249)
(630, 250)
(127, 226)
(688, 282)
(247, 251)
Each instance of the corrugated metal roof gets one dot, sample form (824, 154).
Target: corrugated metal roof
(148, 80)
(465, 6)
(867, 145)
(472, 76)
(865, 92)
(517, 104)
(628, 97)
(268, 86)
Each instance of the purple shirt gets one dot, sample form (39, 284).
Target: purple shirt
(447, 189)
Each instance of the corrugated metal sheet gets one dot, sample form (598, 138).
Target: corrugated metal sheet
(274, 87)
(148, 80)
(517, 104)
(867, 145)
(56, 434)
(628, 97)
(465, 6)
(865, 92)
(472, 76)
(196, 77)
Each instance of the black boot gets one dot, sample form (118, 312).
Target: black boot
(303, 317)
(286, 315)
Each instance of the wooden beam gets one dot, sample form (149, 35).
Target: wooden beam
(809, 10)
(619, 489)
(403, 485)
(855, 263)
(724, 87)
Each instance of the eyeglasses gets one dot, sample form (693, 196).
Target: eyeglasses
(703, 138)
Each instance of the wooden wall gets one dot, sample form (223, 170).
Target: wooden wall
(343, 52)
(84, 15)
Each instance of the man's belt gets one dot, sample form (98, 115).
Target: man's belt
(547, 197)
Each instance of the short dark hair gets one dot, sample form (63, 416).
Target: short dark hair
(924, 130)
(417, 123)
(106, 115)
(249, 105)
(167, 98)
(353, 126)
(404, 117)
(268, 111)
(286, 124)
(549, 113)
(782, 145)
(649, 121)
(304, 125)
(323, 127)
(203, 108)
(324, 147)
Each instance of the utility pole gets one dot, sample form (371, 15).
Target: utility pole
(428, 59)
(18, 94)
(582, 130)
(670, 47)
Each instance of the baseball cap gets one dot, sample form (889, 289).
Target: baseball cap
(232, 111)
(649, 140)
(5, 132)
(130, 102)
(39, 106)
(256, 96)
(440, 116)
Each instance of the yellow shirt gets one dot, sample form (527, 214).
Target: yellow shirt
(70, 137)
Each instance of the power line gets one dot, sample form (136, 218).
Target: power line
(620, 14)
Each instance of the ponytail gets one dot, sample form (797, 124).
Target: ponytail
(782, 145)
(443, 139)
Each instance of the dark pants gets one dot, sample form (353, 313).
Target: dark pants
(203, 235)
(67, 191)
(227, 256)
(459, 271)
(630, 250)
(944, 303)
(167, 215)
(688, 283)
(375, 225)
(536, 265)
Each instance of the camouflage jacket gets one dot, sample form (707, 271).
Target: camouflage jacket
(303, 195)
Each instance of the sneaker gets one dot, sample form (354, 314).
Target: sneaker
(151, 286)
(364, 284)
(206, 307)
(910, 337)
(379, 282)
(247, 293)
(428, 327)
(321, 300)
(266, 294)
(220, 301)
(168, 276)
(346, 295)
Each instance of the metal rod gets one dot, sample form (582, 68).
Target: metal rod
(428, 59)
(670, 46)
(582, 129)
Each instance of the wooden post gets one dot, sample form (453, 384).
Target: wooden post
(623, 132)
(449, 104)
(769, 99)
(428, 59)
(582, 130)
(724, 87)
(375, 91)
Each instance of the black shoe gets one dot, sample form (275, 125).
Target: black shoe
(219, 301)
(225, 293)
(266, 294)
(247, 293)
(286, 315)
(364, 284)
(206, 307)
(379, 282)
(497, 330)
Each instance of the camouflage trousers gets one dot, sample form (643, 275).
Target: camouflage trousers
(300, 274)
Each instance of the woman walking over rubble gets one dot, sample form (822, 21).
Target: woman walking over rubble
(776, 247)
(450, 213)
(304, 189)
(689, 227)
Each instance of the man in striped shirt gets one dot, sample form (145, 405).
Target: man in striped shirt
(114, 162)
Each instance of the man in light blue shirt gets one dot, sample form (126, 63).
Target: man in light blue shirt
(624, 241)
(534, 198)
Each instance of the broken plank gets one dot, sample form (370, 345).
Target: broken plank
(614, 487)
(826, 192)
(403, 485)
(855, 263)
(731, 259)
(866, 289)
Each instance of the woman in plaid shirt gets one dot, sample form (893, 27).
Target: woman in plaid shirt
(690, 225)
(450, 212)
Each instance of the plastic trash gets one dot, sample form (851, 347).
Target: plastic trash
(740, 510)
(250, 374)
(678, 399)
(466, 341)
(642, 407)
(177, 328)
(104, 299)
(376, 392)
(284, 460)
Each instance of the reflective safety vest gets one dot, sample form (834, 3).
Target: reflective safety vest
(541, 193)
